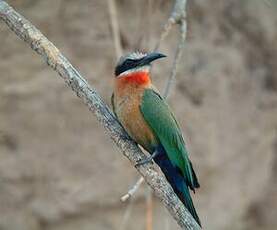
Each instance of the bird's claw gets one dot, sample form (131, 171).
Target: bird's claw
(143, 162)
(147, 160)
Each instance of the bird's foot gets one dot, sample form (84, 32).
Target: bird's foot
(147, 160)
(144, 161)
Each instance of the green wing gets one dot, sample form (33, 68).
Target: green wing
(159, 117)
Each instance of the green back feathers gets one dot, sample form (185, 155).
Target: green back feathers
(159, 117)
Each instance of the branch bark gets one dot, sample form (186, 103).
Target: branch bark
(53, 57)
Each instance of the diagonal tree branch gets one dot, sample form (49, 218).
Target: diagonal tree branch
(39, 43)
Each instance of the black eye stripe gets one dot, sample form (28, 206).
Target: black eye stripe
(129, 61)
(127, 64)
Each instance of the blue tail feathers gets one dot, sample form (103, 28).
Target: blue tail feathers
(177, 182)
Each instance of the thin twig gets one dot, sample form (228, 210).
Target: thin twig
(39, 43)
(178, 55)
(178, 12)
(132, 190)
(167, 27)
(115, 28)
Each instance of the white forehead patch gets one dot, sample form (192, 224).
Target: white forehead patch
(134, 56)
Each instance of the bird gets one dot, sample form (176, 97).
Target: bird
(150, 122)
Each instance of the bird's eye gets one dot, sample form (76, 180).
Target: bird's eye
(129, 62)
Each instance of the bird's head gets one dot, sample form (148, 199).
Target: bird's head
(136, 62)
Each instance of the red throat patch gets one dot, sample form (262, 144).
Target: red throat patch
(139, 78)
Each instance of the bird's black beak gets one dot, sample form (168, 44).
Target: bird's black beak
(151, 57)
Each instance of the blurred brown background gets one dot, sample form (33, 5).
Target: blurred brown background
(58, 169)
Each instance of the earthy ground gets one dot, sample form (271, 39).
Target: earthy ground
(59, 170)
